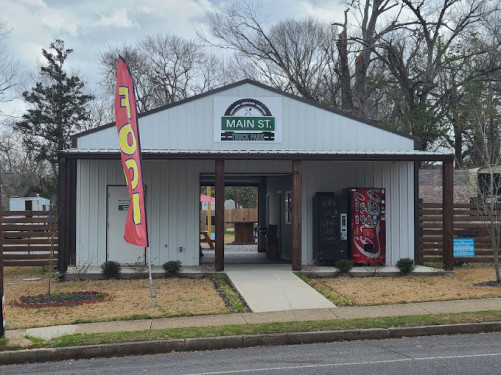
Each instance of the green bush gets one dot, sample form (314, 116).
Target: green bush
(344, 265)
(406, 265)
(111, 269)
(172, 267)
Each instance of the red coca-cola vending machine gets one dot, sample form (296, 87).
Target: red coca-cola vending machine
(367, 225)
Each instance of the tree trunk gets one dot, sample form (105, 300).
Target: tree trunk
(458, 147)
(344, 71)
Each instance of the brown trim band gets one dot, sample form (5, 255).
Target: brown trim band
(265, 156)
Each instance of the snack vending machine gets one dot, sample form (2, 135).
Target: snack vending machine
(367, 225)
(330, 228)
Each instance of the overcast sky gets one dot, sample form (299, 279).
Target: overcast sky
(89, 26)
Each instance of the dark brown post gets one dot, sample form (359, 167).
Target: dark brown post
(297, 192)
(63, 247)
(448, 222)
(418, 251)
(219, 231)
(2, 297)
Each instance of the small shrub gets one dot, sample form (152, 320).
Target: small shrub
(111, 269)
(172, 267)
(405, 265)
(139, 265)
(344, 265)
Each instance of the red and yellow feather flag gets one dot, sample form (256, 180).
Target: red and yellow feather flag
(136, 231)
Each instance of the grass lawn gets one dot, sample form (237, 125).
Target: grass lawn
(346, 290)
(131, 299)
(184, 296)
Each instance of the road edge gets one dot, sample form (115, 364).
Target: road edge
(234, 342)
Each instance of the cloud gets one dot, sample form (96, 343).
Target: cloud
(59, 21)
(118, 18)
(327, 11)
(36, 3)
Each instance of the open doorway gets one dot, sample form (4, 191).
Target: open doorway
(257, 229)
(241, 223)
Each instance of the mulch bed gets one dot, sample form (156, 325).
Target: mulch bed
(489, 283)
(62, 299)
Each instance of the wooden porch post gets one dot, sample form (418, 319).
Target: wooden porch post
(219, 231)
(63, 224)
(67, 197)
(296, 214)
(447, 202)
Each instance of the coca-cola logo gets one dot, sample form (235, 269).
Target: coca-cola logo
(373, 196)
(359, 197)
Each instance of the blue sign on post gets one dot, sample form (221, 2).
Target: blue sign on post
(464, 247)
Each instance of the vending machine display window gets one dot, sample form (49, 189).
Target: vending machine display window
(330, 228)
(367, 225)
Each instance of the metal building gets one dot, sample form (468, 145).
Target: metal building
(242, 133)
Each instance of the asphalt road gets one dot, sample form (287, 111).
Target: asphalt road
(458, 354)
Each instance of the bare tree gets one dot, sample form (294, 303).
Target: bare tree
(101, 111)
(166, 69)
(373, 24)
(488, 141)
(136, 61)
(475, 73)
(417, 56)
(9, 68)
(22, 175)
(296, 56)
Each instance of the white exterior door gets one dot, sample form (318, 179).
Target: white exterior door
(119, 250)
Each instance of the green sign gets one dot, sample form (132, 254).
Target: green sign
(248, 123)
(123, 205)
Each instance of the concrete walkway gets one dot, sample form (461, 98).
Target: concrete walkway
(348, 312)
(273, 287)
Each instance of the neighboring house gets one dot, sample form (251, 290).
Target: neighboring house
(430, 186)
(37, 203)
(229, 204)
(247, 134)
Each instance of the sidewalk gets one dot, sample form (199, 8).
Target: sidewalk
(211, 343)
(422, 308)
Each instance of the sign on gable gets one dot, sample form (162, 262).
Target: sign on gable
(257, 119)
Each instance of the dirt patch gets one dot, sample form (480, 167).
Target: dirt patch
(406, 289)
(131, 298)
(61, 299)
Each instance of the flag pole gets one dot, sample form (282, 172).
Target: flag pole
(153, 288)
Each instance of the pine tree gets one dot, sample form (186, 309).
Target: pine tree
(58, 106)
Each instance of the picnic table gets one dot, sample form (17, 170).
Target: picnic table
(206, 238)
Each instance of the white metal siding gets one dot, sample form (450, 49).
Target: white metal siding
(396, 177)
(172, 204)
(189, 126)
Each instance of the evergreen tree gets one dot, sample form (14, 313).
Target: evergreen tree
(58, 107)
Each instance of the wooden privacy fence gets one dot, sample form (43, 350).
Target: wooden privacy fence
(469, 222)
(240, 214)
(30, 238)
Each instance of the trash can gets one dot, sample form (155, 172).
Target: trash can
(272, 248)
(261, 239)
